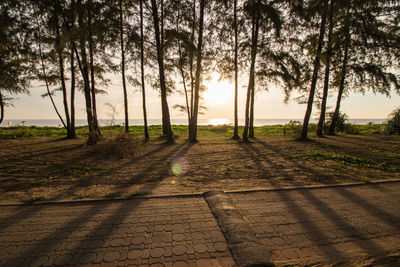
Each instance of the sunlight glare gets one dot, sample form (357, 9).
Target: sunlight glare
(218, 121)
(218, 92)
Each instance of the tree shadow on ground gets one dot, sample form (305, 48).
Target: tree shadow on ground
(325, 210)
(98, 235)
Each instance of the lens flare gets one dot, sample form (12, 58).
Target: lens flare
(179, 166)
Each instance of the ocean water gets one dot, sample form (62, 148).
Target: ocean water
(105, 122)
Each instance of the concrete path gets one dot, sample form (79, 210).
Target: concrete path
(349, 225)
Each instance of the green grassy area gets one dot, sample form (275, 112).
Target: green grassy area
(291, 130)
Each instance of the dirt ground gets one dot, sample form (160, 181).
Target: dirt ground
(37, 169)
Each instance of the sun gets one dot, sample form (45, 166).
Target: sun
(218, 92)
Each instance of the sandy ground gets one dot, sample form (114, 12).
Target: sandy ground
(37, 169)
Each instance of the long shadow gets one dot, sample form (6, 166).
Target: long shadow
(391, 219)
(362, 202)
(42, 152)
(124, 209)
(364, 143)
(29, 210)
(367, 245)
(295, 209)
(180, 151)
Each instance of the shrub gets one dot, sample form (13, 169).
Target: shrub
(393, 123)
(340, 124)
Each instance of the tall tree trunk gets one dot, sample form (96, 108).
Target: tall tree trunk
(251, 119)
(191, 54)
(317, 63)
(59, 50)
(92, 72)
(1, 108)
(160, 57)
(250, 87)
(93, 136)
(73, 133)
(193, 137)
(121, 28)
(335, 117)
(182, 72)
(146, 132)
(236, 124)
(45, 76)
(321, 122)
(162, 52)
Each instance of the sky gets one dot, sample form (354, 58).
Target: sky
(218, 99)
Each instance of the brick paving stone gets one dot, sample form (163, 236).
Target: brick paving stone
(178, 237)
(220, 246)
(200, 248)
(111, 256)
(180, 264)
(138, 240)
(178, 250)
(134, 254)
(157, 252)
(63, 260)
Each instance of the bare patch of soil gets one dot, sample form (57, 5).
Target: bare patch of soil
(36, 169)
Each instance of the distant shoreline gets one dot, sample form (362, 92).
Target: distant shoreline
(139, 122)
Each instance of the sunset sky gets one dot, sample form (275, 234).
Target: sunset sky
(218, 99)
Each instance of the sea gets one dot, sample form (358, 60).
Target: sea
(108, 122)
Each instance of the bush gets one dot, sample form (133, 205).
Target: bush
(393, 123)
(341, 123)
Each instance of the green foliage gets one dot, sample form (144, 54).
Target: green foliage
(393, 123)
(340, 124)
(292, 129)
(343, 159)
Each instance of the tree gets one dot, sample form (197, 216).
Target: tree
(160, 59)
(321, 121)
(121, 29)
(146, 132)
(315, 71)
(253, 8)
(368, 52)
(193, 120)
(15, 51)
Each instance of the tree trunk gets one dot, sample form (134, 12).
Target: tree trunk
(191, 68)
(335, 117)
(73, 133)
(317, 63)
(93, 137)
(92, 72)
(193, 137)
(250, 87)
(45, 77)
(183, 73)
(236, 126)
(146, 132)
(160, 59)
(251, 119)
(321, 122)
(121, 28)
(1, 108)
(93, 134)
(59, 50)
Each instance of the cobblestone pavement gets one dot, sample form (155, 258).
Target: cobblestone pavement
(177, 231)
(319, 226)
(325, 225)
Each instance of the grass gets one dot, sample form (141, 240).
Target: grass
(291, 130)
(343, 159)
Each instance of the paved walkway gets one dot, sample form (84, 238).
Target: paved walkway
(302, 226)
